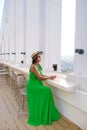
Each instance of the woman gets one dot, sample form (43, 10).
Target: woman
(41, 106)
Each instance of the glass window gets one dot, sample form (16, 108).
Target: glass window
(67, 35)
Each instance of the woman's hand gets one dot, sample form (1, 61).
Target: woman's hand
(52, 77)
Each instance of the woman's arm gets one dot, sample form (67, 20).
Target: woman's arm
(41, 77)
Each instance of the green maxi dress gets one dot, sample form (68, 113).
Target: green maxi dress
(41, 106)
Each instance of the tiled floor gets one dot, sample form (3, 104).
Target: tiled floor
(9, 120)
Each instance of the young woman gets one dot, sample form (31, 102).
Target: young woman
(41, 106)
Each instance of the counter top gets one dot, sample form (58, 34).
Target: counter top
(63, 84)
(17, 67)
(58, 82)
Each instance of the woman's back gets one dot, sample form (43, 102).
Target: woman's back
(33, 78)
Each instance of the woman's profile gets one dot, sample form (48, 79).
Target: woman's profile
(41, 106)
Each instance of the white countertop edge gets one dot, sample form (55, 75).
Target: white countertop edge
(62, 84)
(72, 88)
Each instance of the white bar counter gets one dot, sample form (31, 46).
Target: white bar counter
(59, 83)
(63, 84)
(16, 67)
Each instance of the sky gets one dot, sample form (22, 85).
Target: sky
(1, 9)
(68, 27)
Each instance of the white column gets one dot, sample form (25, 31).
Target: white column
(0, 49)
(42, 29)
(19, 30)
(32, 28)
(6, 31)
(3, 49)
(6, 34)
(53, 33)
(11, 30)
(24, 58)
(4, 42)
(80, 66)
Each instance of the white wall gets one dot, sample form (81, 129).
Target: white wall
(80, 67)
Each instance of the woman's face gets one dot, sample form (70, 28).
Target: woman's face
(38, 58)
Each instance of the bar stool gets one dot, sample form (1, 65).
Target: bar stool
(3, 74)
(20, 83)
(17, 82)
(21, 100)
(14, 75)
(11, 79)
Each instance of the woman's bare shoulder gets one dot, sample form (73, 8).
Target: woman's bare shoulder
(33, 67)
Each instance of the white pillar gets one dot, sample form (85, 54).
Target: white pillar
(6, 40)
(19, 30)
(80, 67)
(0, 49)
(24, 57)
(3, 49)
(53, 33)
(32, 28)
(42, 29)
(11, 30)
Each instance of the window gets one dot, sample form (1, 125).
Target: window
(67, 35)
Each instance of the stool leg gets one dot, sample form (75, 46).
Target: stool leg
(23, 102)
(19, 105)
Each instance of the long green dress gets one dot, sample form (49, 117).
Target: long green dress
(41, 106)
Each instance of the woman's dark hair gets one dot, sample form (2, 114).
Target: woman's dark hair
(34, 60)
